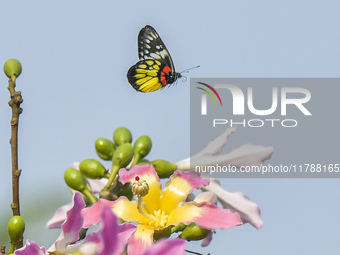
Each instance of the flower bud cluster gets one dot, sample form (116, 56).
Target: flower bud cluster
(123, 153)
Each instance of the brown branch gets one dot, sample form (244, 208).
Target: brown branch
(14, 103)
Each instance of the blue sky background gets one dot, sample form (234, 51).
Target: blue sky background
(75, 55)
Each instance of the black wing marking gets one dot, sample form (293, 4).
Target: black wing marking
(151, 46)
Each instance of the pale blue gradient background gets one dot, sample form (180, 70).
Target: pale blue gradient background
(75, 55)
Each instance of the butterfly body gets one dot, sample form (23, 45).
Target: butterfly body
(155, 70)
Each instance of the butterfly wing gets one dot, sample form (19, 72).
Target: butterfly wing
(151, 46)
(155, 69)
(148, 75)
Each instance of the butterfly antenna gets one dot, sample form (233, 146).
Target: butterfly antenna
(187, 70)
(184, 78)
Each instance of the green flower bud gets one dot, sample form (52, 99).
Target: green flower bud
(92, 169)
(126, 190)
(194, 232)
(16, 228)
(75, 179)
(141, 148)
(122, 155)
(122, 135)
(143, 161)
(164, 233)
(104, 148)
(164, 168)
(12, 67)
(190, 197)
(180, 227)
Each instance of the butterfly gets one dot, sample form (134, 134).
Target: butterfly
(155, 68)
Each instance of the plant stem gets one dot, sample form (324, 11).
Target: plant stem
(195, 252)
(12, 249)
(90, 196)
(140, 209)
(112, 178)
(14, 103)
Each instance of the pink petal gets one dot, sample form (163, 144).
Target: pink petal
(192, 178)
(141, 171)
(205, 215)
(125, 232)
(59, 217)
(109, 233)
(141, 240)
(92, 215)
(111, 237)
(73, 223)
(167, 247)
(207, 196)
(206, 241)
(114, 237)
(93, 237)
(237, 202)
(213, 217)
(31, 248)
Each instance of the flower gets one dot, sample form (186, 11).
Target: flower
(246, 155)
(249, 154)
(110, 239)
(162, 208)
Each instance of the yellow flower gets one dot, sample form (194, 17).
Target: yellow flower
(157, 209)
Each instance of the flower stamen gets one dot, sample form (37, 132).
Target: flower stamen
(140, 188)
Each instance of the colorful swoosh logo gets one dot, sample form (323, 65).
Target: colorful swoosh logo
(209, 93)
